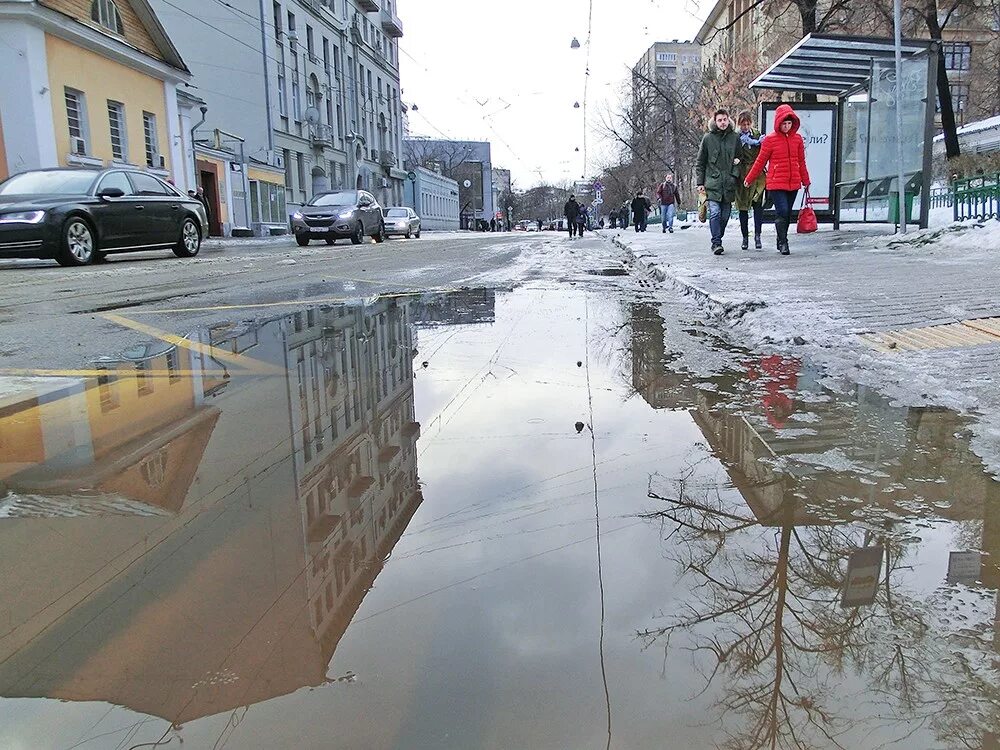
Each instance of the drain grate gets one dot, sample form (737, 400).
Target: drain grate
(951, 336)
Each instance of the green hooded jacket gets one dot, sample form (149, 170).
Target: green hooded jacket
(716, 170)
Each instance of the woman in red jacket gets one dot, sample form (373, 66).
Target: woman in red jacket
(783, 152)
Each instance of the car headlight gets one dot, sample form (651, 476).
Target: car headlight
(297, 215)
(346, 214)
(23, 217)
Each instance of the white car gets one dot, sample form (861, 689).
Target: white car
(402, 221)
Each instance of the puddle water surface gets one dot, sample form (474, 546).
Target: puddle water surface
(486, 520)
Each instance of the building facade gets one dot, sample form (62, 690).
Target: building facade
(311, 87)
(435, 198)
(469, 163)
(88, 83)
(672, 65)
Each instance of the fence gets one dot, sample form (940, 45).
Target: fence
(942, 197)
(977, 197)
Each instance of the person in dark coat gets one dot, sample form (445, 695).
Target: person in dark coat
(670, 198)
(571, 210)
(718, 174)
(581, 220)
(749, 197)
(783, 152)
(640, 211)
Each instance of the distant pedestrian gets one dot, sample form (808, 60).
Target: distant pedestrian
(493, 225)
(581, 220)
(749, 198)
(669, 197)
(571, 210)
(718, 174)
(783, 152)
(624, 212)
(539, 222)
(640, 211)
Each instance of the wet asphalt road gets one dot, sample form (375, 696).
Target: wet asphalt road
(53, 317)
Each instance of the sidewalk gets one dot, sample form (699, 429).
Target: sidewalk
(855, 303)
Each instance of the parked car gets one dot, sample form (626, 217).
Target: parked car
(400, 220)
(80, 216)
(353, 214)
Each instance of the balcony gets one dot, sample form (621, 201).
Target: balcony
(368, 6)
(391, 24)
(387, 158)
(321, 135)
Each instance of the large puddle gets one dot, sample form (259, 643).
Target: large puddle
(486, 520)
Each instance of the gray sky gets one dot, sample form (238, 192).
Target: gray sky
(513, 79)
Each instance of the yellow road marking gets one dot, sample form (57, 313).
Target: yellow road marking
(96, 373)
(239, 360)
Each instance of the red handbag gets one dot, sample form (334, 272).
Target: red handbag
(807, 217)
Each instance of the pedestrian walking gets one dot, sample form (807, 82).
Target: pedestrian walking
(539, 222)
(624, 212)
(783, 152)
(749, 197)
(581, 220)
(670, 198)
(640, 211)
(493, 225)
(718, 174)
(571, 210)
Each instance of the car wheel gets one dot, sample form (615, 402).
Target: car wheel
(418, 234)
(359, 234)
(379, 236)
(407, 235)
(330, 241)
(190, 242)
(78, 243)
(302, 239)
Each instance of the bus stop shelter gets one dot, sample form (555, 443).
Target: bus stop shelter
(859, 74)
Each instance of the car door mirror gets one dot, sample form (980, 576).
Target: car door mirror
(110, 192)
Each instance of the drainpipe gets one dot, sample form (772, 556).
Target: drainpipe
(194, 153)
(245, 177)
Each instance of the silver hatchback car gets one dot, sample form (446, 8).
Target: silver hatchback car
(402, 221)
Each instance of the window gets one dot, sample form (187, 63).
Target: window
(117, 180)
(957, 55)
(143, 383)
(277, 21)
(106, 14)
(289, 176)
(107, 388)
(146, 184)
(119, 138)
(76, 116)
(282, 105)
(310, 46)
(326, 55)
(152, 140)
(302, 176)
(296, 100)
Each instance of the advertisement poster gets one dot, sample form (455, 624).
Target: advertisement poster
(819, 131)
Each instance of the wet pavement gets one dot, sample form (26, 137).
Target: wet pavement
(487, 519)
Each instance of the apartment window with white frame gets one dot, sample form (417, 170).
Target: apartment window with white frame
(119, 135)
(76, 117)
(152, 139)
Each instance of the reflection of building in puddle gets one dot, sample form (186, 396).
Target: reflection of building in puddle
(242, 594)
(652, 378)
(128, 436)
(463, 307)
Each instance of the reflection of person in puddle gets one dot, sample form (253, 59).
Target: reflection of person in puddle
(781, 377)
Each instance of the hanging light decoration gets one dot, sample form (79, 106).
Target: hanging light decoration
(575, 44)
(576, 105)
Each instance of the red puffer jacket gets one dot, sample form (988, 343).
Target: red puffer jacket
(785, 155)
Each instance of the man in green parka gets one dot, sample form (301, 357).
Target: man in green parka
(749, 198)
(718, 174)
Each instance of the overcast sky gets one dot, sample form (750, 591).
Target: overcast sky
(513, 82)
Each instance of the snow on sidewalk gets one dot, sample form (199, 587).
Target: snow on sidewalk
(837, 285)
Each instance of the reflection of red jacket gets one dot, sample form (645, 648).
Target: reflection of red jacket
(781, 375)
(784, 155)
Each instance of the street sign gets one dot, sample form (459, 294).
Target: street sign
(411, 176)
(864, 571)
(467, 183)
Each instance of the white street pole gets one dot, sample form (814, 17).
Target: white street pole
(897, 20)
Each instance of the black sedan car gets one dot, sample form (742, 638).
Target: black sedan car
(79, 216)
(332, 216)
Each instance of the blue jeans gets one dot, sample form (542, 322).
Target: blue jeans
(718, 218)
(667, 214)
(783, 202)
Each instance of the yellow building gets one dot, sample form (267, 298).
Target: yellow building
(88, 83)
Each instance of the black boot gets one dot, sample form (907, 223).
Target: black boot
(756, 242)
(746, 241)
(781, 225)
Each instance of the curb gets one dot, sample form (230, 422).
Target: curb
(716, 306)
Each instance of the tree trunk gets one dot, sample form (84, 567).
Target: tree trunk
(948, 125)
(807, 10)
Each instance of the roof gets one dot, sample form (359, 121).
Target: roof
(709, 25)
(976, 127)
(159, 35)
(833, 64)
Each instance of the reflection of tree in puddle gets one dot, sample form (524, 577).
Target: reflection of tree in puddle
(765, 617)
